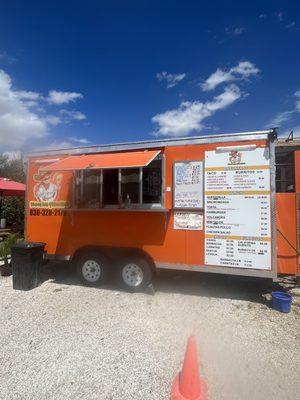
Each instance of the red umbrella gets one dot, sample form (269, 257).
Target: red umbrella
(11, 188)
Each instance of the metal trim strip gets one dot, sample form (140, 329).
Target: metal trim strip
(26, 209)
(239, 136)
(273, 207)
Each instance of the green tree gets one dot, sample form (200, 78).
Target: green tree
(12, 168)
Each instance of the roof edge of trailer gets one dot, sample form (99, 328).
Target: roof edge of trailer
(156, 143)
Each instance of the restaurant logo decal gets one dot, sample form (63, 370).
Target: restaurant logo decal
(235, 157)
(46, 191)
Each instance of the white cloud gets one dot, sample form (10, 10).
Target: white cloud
(66, 116)
(17, 122)
(262, 17)
(57, 97)
(52, 120)
(189, 116)
(245, 69)
(29, 98)
(27, 95)
(79, 140)
(286, 116)
(56, 145)
(70, 115)
(238, 31)
(280, 16)
(171, 79)
(291, 25)
(6, 58)
(20, 123)
(215, 79)
(234, 31)
(63, 144)
(280, 118)
(31, 103)
(241, 71)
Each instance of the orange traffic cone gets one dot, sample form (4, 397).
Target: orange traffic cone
(187, 384)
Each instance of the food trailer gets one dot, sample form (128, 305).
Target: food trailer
(204, 203)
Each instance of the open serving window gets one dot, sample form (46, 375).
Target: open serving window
(122, 180)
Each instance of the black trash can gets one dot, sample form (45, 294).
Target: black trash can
(27, 260)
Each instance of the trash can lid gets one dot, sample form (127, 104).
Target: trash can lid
(28, 245)
(27, 248)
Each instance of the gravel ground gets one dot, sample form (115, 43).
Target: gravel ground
(66, 341)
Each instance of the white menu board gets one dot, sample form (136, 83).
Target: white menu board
(185, 220)
(238, 208)
(188, 184)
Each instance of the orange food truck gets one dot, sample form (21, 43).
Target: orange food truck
(204, 203)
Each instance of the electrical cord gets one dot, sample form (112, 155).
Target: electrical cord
(287, 240)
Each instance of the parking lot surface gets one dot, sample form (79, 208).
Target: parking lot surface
(63, 340)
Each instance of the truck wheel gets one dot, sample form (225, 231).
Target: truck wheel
(135, 273)
(92, 269)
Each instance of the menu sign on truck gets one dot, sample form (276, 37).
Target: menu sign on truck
(186, 220)
(188, 184)
(238, 208)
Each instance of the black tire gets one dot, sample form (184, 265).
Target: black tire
(137, 277)
(92, 269)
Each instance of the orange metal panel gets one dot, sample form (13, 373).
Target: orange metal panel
(286, 216)
(108, 160)
(297, 171)
(66, 231)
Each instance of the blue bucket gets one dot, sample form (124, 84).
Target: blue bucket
(281, 301)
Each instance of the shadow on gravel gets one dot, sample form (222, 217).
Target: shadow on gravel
(216, 285)
(183, 282)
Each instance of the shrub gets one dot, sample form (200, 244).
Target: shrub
(12, 207)
(5, 252)
(13, 210)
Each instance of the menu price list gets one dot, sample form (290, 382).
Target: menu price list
(238, 209)
(237, 179)
(238, 215)
(244, 253)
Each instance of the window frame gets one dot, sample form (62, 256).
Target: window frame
(78, 187)
(285, 171)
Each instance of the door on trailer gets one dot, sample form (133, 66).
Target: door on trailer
(297, 187)
(287, 208)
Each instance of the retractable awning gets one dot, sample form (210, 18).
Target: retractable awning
(103, 161)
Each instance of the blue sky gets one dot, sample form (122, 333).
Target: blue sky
(74, 73)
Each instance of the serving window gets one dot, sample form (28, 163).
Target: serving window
(120, 187)
(130, 185)
(110, 187)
